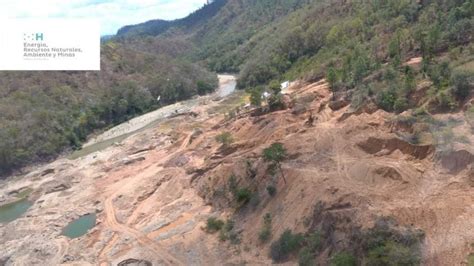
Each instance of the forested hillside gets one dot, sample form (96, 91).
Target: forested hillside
(42, 113)
(360, 46)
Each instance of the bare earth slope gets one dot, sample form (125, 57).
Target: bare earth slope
(154, 191)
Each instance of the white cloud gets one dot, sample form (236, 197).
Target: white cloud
(113, 14)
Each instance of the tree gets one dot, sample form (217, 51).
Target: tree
(203, 87)
(360, 69)
(460, 81)
(275, 154)
(331, 77)
(394, 49)
(410, 81)
(256, 96)
(440, 75)
(274, 87)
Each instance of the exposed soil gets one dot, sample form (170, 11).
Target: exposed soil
(154, 191)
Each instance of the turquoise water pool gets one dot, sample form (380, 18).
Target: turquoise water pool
(80, 226)
(14, 210)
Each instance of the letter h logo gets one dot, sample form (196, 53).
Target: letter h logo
(39, 36)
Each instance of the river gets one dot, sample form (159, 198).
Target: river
(227, 85)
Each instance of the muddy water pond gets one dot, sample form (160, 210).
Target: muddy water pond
(12, 211)
(80, 226)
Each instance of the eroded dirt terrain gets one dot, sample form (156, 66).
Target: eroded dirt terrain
(154, 191)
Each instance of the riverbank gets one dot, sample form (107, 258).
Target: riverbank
(227, 84)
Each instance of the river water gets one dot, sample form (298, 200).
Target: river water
(227, 85)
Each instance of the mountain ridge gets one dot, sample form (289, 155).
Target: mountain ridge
(157, 26)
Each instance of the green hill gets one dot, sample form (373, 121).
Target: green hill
(269, 40)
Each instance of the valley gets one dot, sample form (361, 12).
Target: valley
(341, 135)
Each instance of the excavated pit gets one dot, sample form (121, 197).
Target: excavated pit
(375, 145)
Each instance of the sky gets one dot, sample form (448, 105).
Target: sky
(112, 14)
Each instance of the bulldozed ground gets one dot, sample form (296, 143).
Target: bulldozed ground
(154, 191)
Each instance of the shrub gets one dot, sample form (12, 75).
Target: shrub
(385, 245)
(266, 231)
(287, 244)
(440, 74)
(386, 100)
(275, 102)
(243, 195)
(344, 259)
(445, 99)
(226, 230)
(401, 104)
(313, 241)
(271, 190)
(264, 235)
(214, 225)
(460, 81)
(305, 257)
(225, 138)
(392, 253)
(234, 238)
(275, 154)
(254, 200)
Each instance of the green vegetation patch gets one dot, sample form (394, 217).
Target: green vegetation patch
(213, 225)
(470, 260)
(225, 139)
(266, 232)
(343, 259)
(286, 245)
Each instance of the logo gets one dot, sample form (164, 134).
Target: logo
(38, 37)
(49, 44)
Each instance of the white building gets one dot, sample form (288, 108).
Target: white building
(285, 85)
